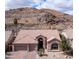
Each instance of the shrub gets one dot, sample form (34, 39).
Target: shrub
(65, 45)
(41, 51)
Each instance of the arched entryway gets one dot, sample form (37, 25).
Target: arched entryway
(40, 43)
(54, 46)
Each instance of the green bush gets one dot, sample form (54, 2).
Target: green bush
(41, 51)
(65, 45)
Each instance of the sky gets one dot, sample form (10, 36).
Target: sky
(65, 6)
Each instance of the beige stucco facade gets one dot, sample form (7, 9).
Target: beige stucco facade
(30, 40)
(50, 43)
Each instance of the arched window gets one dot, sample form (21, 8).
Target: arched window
(54, 46)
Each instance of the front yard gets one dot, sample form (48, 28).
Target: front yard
(54, 55)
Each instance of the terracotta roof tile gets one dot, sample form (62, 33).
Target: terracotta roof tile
(29, 36)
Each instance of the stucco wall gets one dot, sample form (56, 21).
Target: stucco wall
(50, 43)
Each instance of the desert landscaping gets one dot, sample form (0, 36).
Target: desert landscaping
(38, 34)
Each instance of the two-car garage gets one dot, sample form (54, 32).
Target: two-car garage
(28, 47)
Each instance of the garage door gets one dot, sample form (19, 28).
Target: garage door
(20, 47)
(32, 47)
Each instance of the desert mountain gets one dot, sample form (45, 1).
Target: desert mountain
(31, 18)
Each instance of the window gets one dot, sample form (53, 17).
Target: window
(54, 46)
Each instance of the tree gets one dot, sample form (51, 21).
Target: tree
(65, 45)
(15, 21)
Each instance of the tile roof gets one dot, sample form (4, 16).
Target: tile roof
(29, 36)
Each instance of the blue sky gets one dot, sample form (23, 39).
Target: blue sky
(65, 6)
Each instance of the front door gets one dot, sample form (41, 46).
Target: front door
(40, 43)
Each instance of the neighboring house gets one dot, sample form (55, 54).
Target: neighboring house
(8, 39)
(31, 40)
(68, 33)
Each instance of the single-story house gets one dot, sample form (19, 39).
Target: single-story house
(8, 39)
(31, 40)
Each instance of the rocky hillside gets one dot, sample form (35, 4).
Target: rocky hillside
(31, 18)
